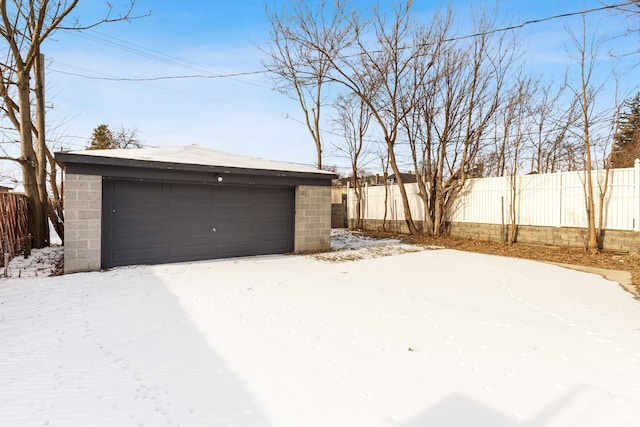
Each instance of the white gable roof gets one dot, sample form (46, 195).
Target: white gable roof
(198, 155)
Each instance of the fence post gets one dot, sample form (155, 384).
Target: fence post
(636, 195)
(506, 193)
(558, 184)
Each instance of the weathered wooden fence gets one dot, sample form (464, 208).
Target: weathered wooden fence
(546, 200)
(13, 224)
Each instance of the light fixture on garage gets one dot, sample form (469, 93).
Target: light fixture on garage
(219, 178)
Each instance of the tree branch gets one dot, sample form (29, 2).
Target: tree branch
(108, 19)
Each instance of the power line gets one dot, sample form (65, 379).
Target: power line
(540, 20)
(125, 46)
(139, 50)
(149, 79)
(135, 49)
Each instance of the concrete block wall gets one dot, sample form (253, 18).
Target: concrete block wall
(614, 240)
(337, 215)
(313, 219)
(83, 222)
(390, 226)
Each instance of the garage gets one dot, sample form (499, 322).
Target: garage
(180, 204)
(149, 222)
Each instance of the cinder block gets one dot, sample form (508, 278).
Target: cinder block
(76, 266)
(96, 186)
(83, 185)
(88, 215)
(95, 205)
(81, 204)
(92, 236)
(74, 204)
(70, 195)
(77, 244)
(89, 254)
(70, 254)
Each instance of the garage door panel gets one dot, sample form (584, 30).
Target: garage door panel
(139, 187)
(185, 190)
(187, 230)
(143, 255)
(136, 232)
(238, 248)
(273, 225)
(236, 210)
(143, 207)
(229, 234)
(154, 222)
(224, 234)
(188, 252)
(243, 222)
(235, 193)
(189, 208)
(272, 211)
(273, 246)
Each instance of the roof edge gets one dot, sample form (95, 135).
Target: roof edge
(63, 158)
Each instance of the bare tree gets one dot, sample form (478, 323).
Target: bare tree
(369, 58)
(379, 72)
(384, 163)
(631, 8)
(515, 127)
(298, 69)
(25, 26)
(353, 120)
(457, 110)
(585, 54)
(549, 135)
(418, 126)
(603, 187)
(7, 178)
(549, 141)
(439, 94)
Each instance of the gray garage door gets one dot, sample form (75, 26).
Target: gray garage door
(158, 222)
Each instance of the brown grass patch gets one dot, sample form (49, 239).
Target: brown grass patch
(575, 256)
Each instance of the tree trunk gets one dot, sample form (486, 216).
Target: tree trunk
(41, 147)
(56, 207)
(592, 241)
(413, 230)
(29, 163)
(357, 189)
(437, 215)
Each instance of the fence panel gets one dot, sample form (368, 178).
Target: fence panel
(480, 201)
(373, 206)
(551, 200)
(537, 200)
(621, 197)
(13, 224)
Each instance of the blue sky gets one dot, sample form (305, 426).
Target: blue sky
(241, 114)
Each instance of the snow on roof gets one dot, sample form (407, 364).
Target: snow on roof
(198, 155)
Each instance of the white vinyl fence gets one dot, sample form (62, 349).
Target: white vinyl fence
(552, 200)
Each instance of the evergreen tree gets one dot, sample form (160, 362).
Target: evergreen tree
(104, 139)
(626, 141)
(101, 139)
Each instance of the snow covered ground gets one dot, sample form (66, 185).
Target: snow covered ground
(41, 263)
(426, 338)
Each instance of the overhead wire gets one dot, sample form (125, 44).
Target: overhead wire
(540, 20)
(149, 53)
(135, 49)
(150, 79)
